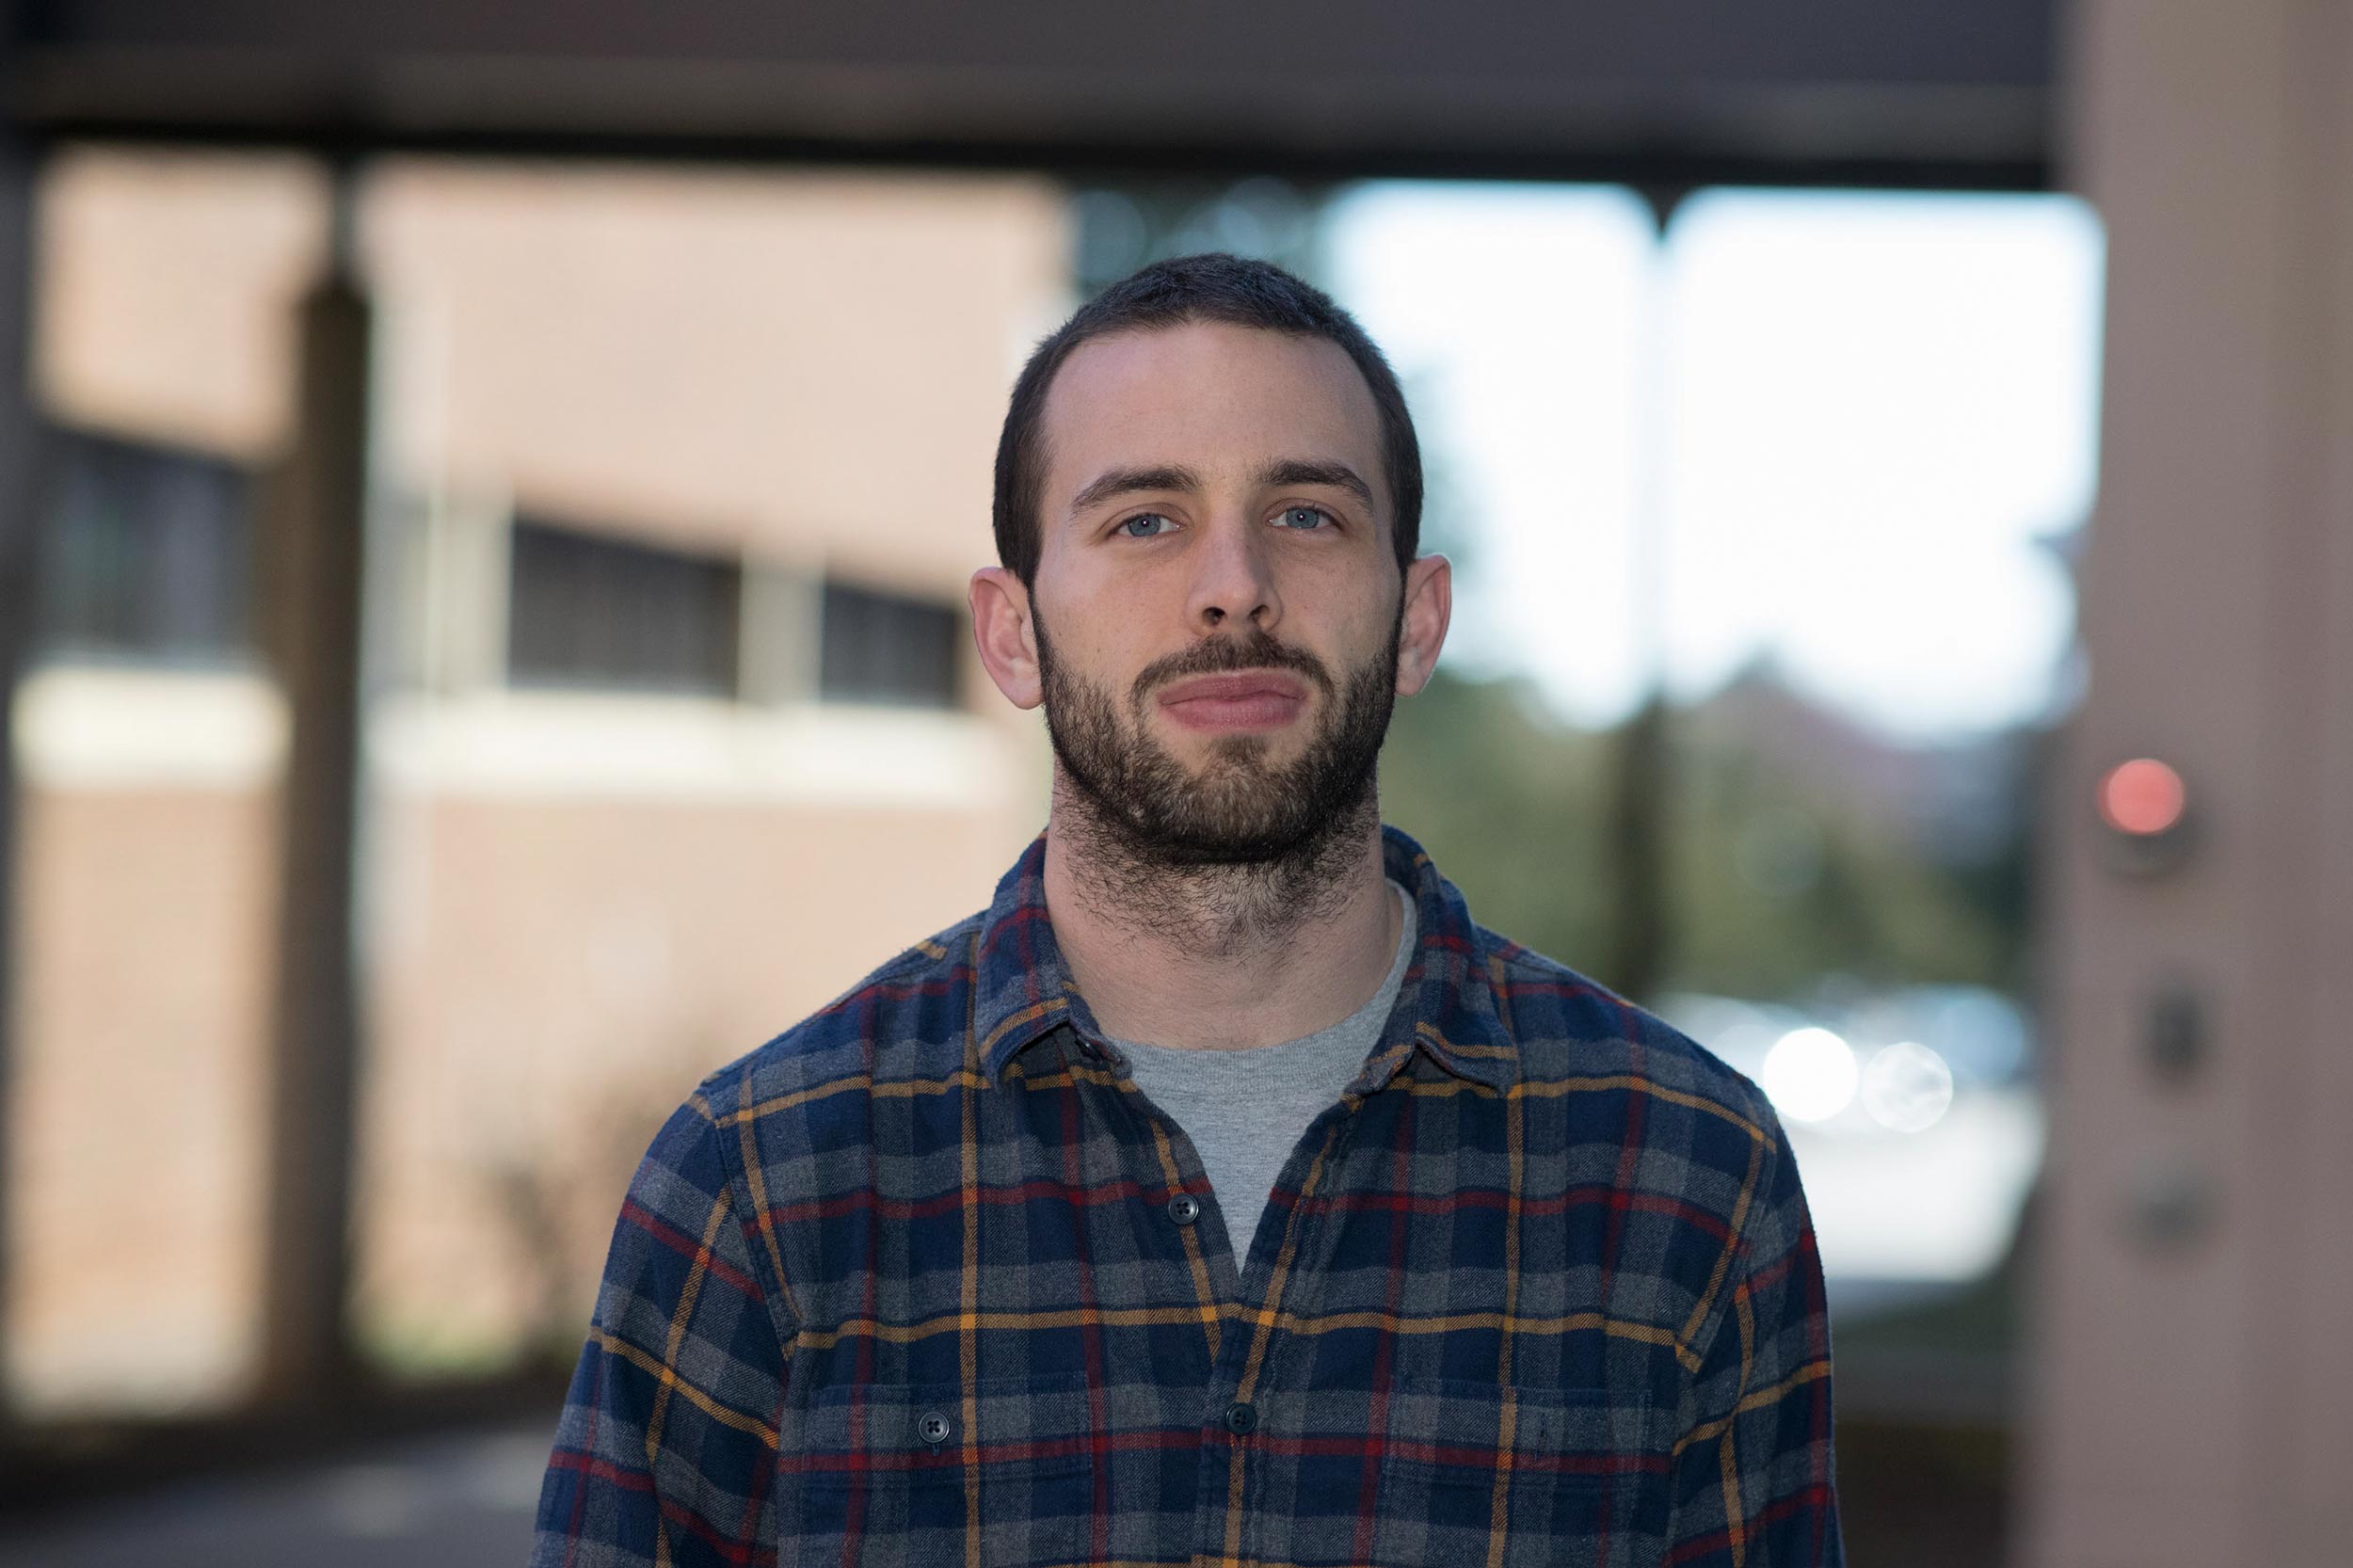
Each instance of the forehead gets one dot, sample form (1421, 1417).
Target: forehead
(1218, 398)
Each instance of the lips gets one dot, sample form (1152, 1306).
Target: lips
(1244, 699)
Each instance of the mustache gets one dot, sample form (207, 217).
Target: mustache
(1255, 649)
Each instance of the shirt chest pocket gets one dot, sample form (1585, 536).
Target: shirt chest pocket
(1565, 1476)
(905, 1473)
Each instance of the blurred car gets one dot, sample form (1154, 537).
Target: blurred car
(1914, 1113)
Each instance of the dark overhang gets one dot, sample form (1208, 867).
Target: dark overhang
(1668, 92)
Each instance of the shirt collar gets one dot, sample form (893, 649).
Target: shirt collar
(1022, 988)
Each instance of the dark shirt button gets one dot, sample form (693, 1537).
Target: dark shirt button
(1184, 1208)
(935, 1426)
(1241, 1419)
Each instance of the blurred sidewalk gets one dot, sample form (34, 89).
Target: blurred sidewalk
(454, 1500)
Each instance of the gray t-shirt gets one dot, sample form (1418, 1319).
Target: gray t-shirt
(1244, 1110)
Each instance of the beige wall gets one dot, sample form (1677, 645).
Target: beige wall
(165, 284)
(791, 364)
(2187, 1394)
(572, 905)
(136, 1197)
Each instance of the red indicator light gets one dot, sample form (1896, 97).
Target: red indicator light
(2142, 797)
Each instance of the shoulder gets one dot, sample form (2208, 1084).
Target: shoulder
(1572, 1032)
(907, 1019)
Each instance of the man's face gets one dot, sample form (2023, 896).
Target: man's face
(1217, 603)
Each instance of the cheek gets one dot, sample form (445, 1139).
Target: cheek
(1091, 637)
(1357, 625)
(1088, 633)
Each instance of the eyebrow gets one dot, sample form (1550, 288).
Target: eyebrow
(1128, 481)
(1172, 476)
(1295, 470)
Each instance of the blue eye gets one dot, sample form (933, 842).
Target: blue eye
(1316, 517)
(1129, 525)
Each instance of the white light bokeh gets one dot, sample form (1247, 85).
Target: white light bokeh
(1809, 1075)
(1906, 1087)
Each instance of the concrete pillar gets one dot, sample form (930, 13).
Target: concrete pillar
(313, 574)
(2190, 1364)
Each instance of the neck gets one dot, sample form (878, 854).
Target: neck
(1219, 956)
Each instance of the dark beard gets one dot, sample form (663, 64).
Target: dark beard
(1242, 847)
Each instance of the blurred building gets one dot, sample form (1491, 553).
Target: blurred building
(672, 728)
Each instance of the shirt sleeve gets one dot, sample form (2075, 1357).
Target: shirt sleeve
(1754, 1481)
(667, 1449)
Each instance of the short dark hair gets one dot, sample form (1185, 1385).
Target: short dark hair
(1211, 287)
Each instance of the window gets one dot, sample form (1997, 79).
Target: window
(883, 647)
(586, 611)
(145, 553)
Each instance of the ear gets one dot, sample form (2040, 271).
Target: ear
(1002, 632)
(1429, 605)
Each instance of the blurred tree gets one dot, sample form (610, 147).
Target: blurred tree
(1507, 800)
(1775, 886)
(1806, 846)
(1777, 878)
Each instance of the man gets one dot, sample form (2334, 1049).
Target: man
(1221, 1194)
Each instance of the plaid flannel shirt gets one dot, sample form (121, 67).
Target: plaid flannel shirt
(926, 1280)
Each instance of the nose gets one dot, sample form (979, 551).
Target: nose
(1233, 584)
